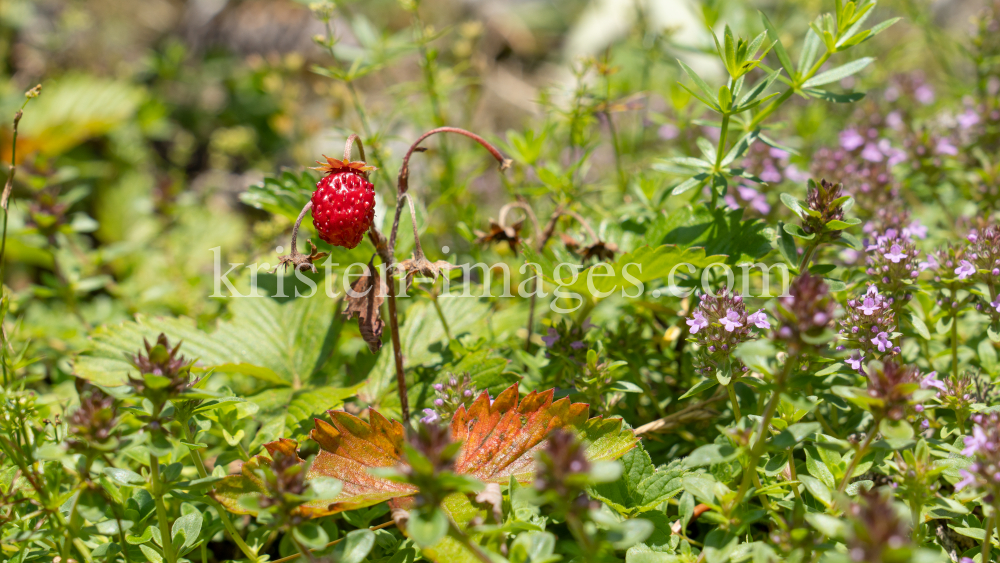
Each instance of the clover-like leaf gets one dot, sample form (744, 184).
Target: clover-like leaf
(499, 441)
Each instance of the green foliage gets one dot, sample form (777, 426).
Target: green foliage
(557, 373)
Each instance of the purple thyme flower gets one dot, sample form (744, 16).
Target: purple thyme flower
(931, 380)
(944, 146)
(431, 416)
(759, 319)
(697, 322)
(915, 230)
(968, 119)
(731, 321)
(851, 140)
(869, 306)
(965, 269)
(871, 153)
(996, 303)
(978, 442)
(882, 341)
(967, 480)
(855, 360)
(895, 254)
(552, 338)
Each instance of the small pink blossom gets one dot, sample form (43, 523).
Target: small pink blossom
(697, 322)
(977, 442)
(850, 139)
(996, 303)
(869, 306)
(924, 94)
(895, 254)
(871, 153)
(731, 320)
(968, 119)
(882, 341)
(915, 230)
(944, 146)
(931, 380)
(759, 319)
(967, 479)
(965, 269)
(855, 360)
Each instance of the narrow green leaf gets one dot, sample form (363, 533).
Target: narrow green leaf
(838, 73)
(700, 83)
(779, 49)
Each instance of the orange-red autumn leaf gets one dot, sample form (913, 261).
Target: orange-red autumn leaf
(499, 441)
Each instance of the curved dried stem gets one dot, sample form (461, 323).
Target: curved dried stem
(582, 221)
(295, 258)
(418, 251)
(354, 138)
(402, 182)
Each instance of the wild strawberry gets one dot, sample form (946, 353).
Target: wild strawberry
(343, 205)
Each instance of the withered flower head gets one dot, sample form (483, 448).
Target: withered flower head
(299, 261)
(94, 421)
(877, 532)
(894, 384)
(806, 312)
(561, 464)
(287, 478)
(47, 213)
(821, 199)
(164, 361)
(599, 249)
(433, 442)
(499, 233)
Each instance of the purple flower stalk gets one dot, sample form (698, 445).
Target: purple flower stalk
(718, 325)
(867, 324)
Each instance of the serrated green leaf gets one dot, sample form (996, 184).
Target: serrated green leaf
(280, 343)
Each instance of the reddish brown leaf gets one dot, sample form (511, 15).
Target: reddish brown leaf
(367, 305)
(499, 437)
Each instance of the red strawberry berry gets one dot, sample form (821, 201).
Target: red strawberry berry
(343, 205)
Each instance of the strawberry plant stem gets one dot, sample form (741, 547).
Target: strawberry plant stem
(397, 353)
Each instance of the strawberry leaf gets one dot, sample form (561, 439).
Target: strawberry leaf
(499, 441)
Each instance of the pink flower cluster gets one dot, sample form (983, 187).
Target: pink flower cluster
(867, 327)
(893, 260)
(719, 324)
(984, 446)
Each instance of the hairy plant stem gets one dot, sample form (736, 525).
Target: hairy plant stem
(156, 490)
(793, 473)
(859, 454)
(758, 447)
(918, 531)
(731, 389)
(227, 523)
(954, 337)
(455, 532)
(987, 544)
